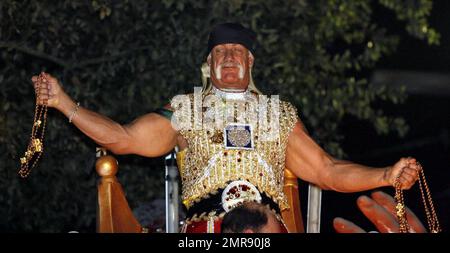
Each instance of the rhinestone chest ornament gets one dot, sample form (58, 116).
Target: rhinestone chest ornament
(238, 136)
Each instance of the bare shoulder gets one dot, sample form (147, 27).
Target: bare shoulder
(150, 122)
(151, 135)
(299, 130)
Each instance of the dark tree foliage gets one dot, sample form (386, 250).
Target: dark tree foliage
(126, 58)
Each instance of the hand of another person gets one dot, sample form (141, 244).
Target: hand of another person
(380, 210)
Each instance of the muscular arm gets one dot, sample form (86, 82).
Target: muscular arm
(150, 135)
(306, 159)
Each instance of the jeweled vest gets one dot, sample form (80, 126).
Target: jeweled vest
(210, 165)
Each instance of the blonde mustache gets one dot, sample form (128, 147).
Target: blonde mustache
(227, 64)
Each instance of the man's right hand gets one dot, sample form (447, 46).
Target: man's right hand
(150, 135)
(49, 90)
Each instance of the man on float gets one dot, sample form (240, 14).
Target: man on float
(235, 143)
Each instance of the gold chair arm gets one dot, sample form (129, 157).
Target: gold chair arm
(292, 216)
(113, 212)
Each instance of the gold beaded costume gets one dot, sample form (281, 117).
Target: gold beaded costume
(209, 165)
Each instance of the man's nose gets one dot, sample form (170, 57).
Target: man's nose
(228, 55)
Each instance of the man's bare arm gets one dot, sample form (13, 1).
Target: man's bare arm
(311, 163)
(149, 135)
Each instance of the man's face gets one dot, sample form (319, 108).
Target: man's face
(230, 64)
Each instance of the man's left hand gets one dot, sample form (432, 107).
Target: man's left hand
(406, 170)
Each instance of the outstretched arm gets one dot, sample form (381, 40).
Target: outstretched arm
(311, 163)
(149, 135)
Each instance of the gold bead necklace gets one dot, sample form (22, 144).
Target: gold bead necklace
(433, 222)
(36, 145)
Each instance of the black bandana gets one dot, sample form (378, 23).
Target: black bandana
(231, 33)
